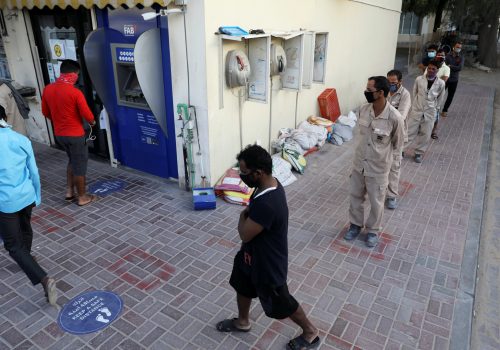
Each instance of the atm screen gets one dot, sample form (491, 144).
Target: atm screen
(132, 88)
(128, 89)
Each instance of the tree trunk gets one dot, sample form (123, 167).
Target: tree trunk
(487, 41)
(439, 14)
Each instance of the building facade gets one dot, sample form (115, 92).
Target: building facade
(359, 41)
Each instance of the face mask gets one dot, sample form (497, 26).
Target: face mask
(369, 96)
(393, 88)
(246, 178)
(431, 54)
(431, 76)
(68, 78)
(457, 50)
(440, 58)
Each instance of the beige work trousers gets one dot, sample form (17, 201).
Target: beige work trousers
(419, 132)
(362, 185)
(393, 186)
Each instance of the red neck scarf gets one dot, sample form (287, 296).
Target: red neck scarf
(68, 78)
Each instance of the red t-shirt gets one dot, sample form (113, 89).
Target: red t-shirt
(65, 106)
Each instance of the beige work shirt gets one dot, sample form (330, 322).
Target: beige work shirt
(378, 139)
(14, 117)
(401, 100)
(426, 102)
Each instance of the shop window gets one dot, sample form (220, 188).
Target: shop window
(409, 23)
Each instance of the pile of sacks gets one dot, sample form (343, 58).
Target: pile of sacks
(342, 130)
(293, 144)
(232, 189)
(289, 149)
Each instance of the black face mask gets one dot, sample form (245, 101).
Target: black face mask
(369, 96)
(247, 179)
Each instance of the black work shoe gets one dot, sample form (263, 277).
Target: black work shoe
(402, 154)
(352, 233)
(371, 240)
(391, 203)
(418, 158)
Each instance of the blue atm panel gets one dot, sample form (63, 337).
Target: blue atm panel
(138, 140)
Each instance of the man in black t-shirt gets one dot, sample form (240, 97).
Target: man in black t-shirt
(260, 267)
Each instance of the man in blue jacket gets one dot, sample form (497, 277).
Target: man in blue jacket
(19, 193)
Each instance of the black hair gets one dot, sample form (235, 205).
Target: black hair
(435, 63)
(70, 66)
(441, 50)
(381, 83)
(256, 158)
(395, 72)
(432, 47)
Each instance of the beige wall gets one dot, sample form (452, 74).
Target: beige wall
(362, 43)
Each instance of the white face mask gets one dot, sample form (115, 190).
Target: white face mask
(457, 50)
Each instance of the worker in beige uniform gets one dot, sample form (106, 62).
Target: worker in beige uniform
(443, 74)
(380, 139)
(399, 98)
(428, 94)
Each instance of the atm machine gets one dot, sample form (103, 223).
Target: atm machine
(129, 63)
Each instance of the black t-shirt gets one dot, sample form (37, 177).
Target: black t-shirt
(429, 83)
(266, 255)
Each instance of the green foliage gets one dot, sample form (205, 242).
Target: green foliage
(470, 13)
(420, 7)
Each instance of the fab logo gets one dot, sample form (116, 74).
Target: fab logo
(129, 29)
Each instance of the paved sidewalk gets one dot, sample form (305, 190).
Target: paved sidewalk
(171, 265)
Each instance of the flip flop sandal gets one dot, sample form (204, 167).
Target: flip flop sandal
(300, 343)
(228, 325)
(70, 198)
(93, 198)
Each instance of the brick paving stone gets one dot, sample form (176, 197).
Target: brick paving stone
(171, 265)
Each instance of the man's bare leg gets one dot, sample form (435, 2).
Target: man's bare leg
(81, 187)
(69, 183)
(244, 303)
(309, 332)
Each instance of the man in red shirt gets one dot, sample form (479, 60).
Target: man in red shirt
(65, 106)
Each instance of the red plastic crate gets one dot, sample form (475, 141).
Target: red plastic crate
(329, 104)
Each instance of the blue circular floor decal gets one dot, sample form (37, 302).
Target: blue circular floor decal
(105, 187)
(90, 312)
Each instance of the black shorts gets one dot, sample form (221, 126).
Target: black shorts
(276, 301)
(77, 151)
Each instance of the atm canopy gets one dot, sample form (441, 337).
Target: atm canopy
(29, 4)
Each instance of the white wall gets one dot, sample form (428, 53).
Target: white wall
(22, 70)
(362, 43)
(197, 74)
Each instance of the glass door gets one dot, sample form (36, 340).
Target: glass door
(60, 34)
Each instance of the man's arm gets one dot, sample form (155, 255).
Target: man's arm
(404, 104)
(33, 171)
(398, 136)
(440, 98)
(46, 108)
(415, 89)
(83, 109)
(247, 228)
